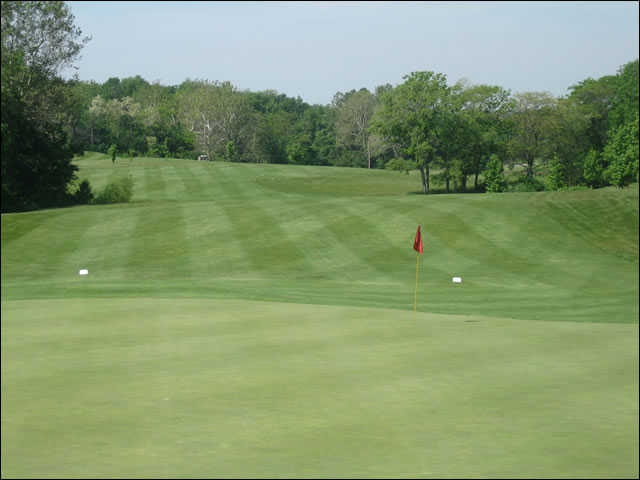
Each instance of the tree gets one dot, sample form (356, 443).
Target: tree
(44, 34)
(621, 155)
(113, 149)
(568, 131)
(624, 107)
(38, 40)
(485, 127)
(494, 175)
(532, 119)
(556, 177)
(594, 98)
(217, 114)
(594, 168)
(354, 112)
(410, 116)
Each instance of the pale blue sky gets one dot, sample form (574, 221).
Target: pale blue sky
(315, 49)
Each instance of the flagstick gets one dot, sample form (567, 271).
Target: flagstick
(415, 297)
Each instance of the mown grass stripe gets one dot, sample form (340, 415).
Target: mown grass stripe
(265, 243)
(44, 251)
(158, 247)
(108, 242)
(154, 185)
(194, 189)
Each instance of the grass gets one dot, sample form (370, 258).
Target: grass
(256, 320)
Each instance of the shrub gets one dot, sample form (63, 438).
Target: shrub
(494, 175)
(556, 175)
(83, 195)
(594, 168)
(118, 191)
(113, 149)
(527, 184)
(400, 164)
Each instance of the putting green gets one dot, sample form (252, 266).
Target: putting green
(151, 387)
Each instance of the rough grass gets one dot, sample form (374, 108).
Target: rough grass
(256, 320)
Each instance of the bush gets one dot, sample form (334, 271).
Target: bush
(119, 191)
(400, 164)
(556, 175)
(83, 195)
(527, 184)
(594, 168)
(113, 149)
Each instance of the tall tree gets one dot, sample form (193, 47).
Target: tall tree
(38, 40)
(412, 115)
(485, 112)
(532, 120)
(594, 98)
(624, 108)
(353, 119)
(218, 114)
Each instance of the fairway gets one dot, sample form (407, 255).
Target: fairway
(257, 321)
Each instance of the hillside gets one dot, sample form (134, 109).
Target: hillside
(333, 236)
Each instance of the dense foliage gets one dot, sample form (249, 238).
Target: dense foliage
(38, 39)
(448, 132)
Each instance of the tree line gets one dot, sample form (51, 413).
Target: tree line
(460, 136)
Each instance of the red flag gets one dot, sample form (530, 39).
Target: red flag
(417, 243)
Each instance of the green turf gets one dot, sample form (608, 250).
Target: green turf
(258, 320)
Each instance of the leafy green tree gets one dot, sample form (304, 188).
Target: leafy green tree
(568, 130)
(113, 149)
(216, 113)
(594, 98)
(621, 155)
(75, 113)
(354, 112)
(131, 86)
(481, 128)
(44, 34)
(36, 164)
(299, 151)
(494, 175)
(274, 131)
(556, 177)
(532, 122)
(624, 107)
(231, 152)
(121, 122)
(111, 89)
(38, 40)
(83, 195)
(410, 116)
(594, 168)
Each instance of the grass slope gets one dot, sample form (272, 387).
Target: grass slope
(255, 320)
(331, 236)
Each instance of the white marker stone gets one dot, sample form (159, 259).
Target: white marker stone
(83, 272)
(457, 279)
